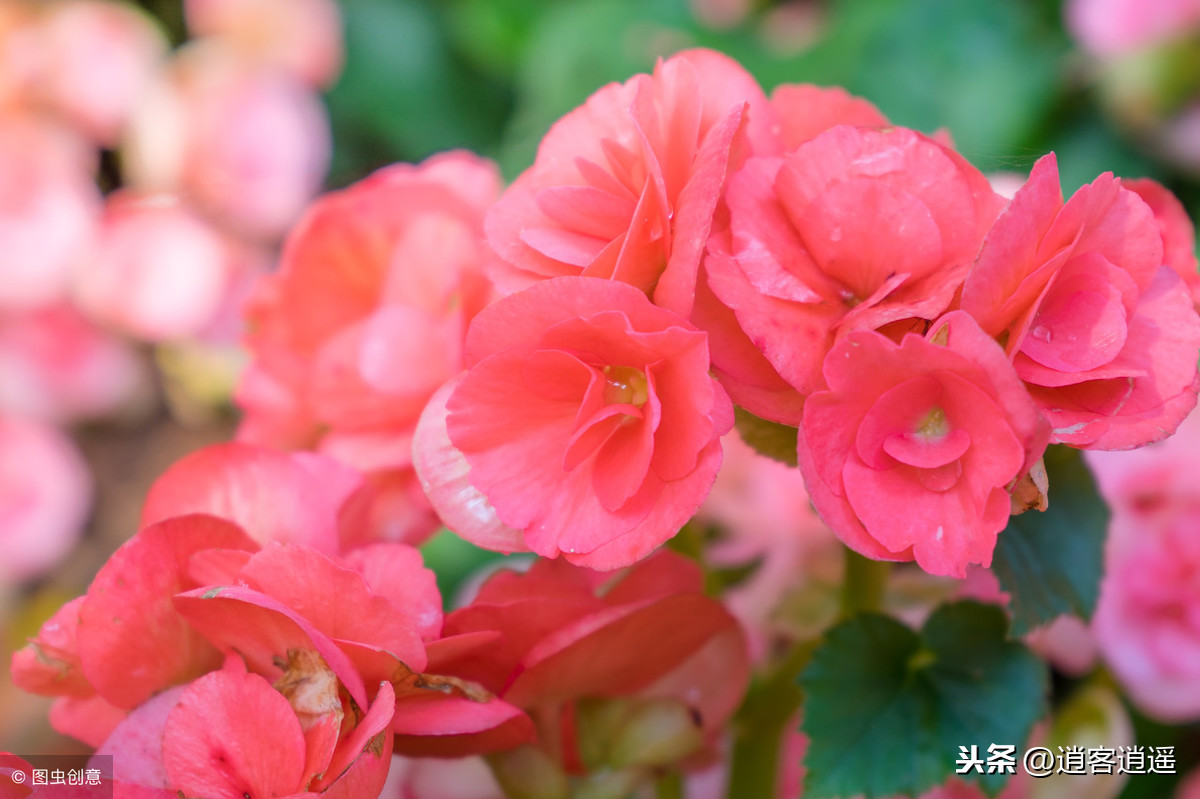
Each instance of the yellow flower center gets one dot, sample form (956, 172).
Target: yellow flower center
(625, 385)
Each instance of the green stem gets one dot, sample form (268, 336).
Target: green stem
(863, 584)
(669, 786)
(761, 724)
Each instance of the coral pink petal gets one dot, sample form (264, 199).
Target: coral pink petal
(617, 651)
(443, 471)
(232, 735)
(132, 643)
(263, 630)
(805, 110)
(334, 599)
(444, 725)
(90, 719)
(398, 573)
(136, 745)
(360, 764)
(273, 496)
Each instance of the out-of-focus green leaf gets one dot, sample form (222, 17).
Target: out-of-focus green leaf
(987, 72)
(776, 441)
(403, 94)
(453, 560)
(1050, 562)
(579, 46)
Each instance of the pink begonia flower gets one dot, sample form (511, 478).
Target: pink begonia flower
(1147, 620)
(247, 146)
(96, 59)
(560, 633)
(231, 733)
(800, 113)
(1175, 226)
(365, 319)
(1103, 333)
(856, 229)
(239, 553)
(1112, 27)
(155, 271)
(48, 208)
(301, 37)
(909, 452)
(624, 187)
(57, 366)
(585, 425)
(45, 495)
(764, 511)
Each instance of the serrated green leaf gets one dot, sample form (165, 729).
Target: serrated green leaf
(887, 709)
(776, 441)
(1051, 562)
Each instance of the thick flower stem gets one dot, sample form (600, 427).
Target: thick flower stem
(761, 723)
(863, 584)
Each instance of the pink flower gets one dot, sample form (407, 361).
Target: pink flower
(1147, 621)
(1175, 226)
(245, 145)
(57, 366)
(48, 206)
(301, 37)
(96, 60)
(801, 112)
(624, 187)
(560, 634)
(856, 229)
(45, 494)
(1103, 333)
(586, 425)
(909, 453)
(156, 270)
(365, 319)
(1113, 27)
(764, 512)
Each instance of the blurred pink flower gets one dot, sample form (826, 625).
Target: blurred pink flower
(157, 271)
(48, 205)
(96, 59)
(45, 494)
(1113, 27)
(301, 37)
(1147, 622)
(246, 145)
(57, 366)
(765, 511)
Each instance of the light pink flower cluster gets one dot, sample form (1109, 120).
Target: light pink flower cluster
(221, 143)
(1147, 622)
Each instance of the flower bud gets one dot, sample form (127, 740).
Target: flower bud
(659, 732)
(528, 772)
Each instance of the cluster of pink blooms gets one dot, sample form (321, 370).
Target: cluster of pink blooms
(221, 144)
(552, 368)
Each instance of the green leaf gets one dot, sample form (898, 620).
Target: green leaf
(887, 709)
(1051, 562)
(982, 70)
(776, 441)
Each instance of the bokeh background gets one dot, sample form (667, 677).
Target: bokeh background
(1108, 85)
